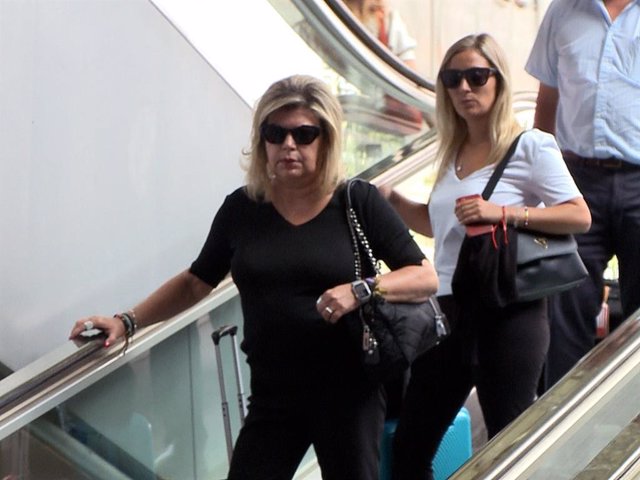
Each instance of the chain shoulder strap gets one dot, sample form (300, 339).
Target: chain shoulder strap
(358, 236)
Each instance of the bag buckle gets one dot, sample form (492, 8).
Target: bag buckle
(542, 242)
(441, 328)
(369, 342)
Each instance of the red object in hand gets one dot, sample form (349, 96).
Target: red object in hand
(478, 229)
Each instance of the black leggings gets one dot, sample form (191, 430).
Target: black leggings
(500, 351)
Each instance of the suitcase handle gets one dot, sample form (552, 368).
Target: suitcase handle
(216, 336)
(222, 331)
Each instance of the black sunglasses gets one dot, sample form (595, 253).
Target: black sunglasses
(302, 135)
(475, 77)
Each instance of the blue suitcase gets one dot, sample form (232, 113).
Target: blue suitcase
(454, 450)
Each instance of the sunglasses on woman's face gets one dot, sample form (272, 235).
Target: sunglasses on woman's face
(302, 135)
(475, 77)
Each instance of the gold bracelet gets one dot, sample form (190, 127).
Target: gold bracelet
(374, 285)
(526, 216)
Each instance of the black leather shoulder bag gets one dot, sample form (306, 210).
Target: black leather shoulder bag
(393, 334)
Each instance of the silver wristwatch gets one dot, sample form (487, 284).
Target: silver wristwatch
(361, 291)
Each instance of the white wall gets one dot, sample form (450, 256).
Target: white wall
(117, 144)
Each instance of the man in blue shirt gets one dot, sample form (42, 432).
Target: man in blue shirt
(587, 59)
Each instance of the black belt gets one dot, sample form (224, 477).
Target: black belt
(610, 163)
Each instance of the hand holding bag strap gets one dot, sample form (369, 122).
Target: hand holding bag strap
(497, 173)
(393, 334)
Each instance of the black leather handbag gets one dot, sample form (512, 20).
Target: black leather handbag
(393, 334)
(547, 264)
(510, 265)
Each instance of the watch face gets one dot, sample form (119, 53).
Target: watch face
(361, 290)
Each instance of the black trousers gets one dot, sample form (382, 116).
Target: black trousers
(613, 196)
(500, 351)
(344, 425)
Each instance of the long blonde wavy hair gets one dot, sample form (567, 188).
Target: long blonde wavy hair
(452, 128)
(289, 93)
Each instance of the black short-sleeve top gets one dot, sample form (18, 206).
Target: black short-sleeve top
(281, 269)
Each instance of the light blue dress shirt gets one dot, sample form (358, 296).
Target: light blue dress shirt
(595, 65)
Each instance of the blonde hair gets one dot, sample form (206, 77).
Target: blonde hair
(290, 93)
(452, 128)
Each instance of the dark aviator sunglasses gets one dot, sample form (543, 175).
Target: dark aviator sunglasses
(475, 77)
(302, 135)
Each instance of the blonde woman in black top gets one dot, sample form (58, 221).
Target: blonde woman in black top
(285, 240)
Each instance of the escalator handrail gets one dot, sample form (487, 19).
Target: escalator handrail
(44, 384)
(377, 47)
(380, 66)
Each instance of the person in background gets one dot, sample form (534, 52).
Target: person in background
(386, 25)
(285, 239)
(499, 350)
(587, 59)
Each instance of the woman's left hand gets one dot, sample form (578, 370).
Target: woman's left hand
(333, 304)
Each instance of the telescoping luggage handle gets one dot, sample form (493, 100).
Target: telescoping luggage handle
(216, 336)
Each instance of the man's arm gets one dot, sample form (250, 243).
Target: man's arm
(545, 117)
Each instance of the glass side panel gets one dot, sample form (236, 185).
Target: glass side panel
(158, 416)
(597, 425)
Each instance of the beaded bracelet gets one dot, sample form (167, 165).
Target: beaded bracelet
(129, 321)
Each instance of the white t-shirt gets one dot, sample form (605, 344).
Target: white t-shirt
(536, 174)
(401, 43)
